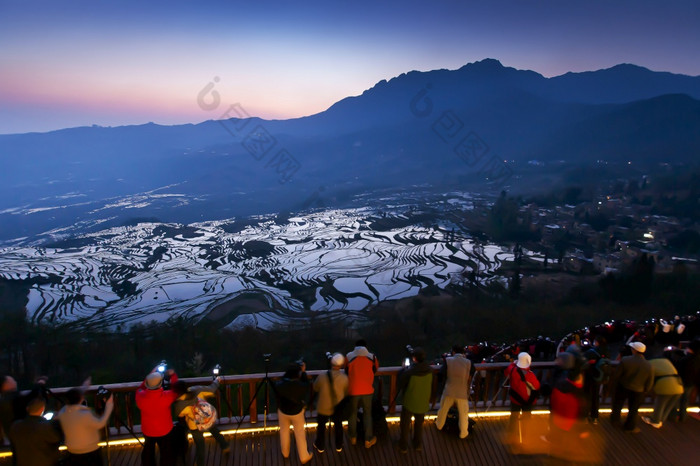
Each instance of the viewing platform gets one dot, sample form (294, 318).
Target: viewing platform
(255, 440)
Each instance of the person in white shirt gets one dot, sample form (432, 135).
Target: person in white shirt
(81, 428)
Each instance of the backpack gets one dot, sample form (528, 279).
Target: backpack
(601, 370)
(203, 414)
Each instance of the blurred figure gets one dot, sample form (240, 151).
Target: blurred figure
(594, 375)
(635, 378)
(523, 392)
(362, 365)
(668, 389)
(81, 429)
(8, 395)
(689, 370)
(569, 437)
(332, 388)
(416, 382)
(156, 420)
(184, 407)
(291, 393)
(456, 392)
(34, 439)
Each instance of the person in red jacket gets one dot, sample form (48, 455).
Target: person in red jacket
(523, 392)
(156, 419)
(361, 368)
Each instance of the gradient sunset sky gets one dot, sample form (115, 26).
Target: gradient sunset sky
(76, 63)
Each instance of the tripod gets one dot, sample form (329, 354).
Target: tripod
(493, 400)
(266, 382)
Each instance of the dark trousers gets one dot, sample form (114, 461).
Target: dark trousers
(94, 458)
(513, 428)
(322, 420)
(593, 390)
(634, 401)
(198, 437)
(405, 425)
(165, 447)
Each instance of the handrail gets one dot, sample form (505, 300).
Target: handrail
(235, 400)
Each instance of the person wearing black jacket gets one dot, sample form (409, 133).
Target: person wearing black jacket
(291, 393)
(35, 440)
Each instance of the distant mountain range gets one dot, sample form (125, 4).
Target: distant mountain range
(431, 127)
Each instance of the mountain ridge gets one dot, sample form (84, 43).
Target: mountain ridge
(405, 131)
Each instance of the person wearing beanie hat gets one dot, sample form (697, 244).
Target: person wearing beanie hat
(524, 390)
(332, 388)
(635, 378)
(156, 419)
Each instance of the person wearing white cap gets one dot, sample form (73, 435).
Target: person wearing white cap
(524, 390)
(332, 388)
(635, 378)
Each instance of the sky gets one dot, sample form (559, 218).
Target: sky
(78, 63)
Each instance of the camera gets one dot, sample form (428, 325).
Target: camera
(267, 357)
(162, 366)
(329, 355)
(102, 393)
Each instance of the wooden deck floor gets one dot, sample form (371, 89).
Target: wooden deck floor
(673, 444)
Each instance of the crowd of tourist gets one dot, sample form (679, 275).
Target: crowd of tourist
(583, 364)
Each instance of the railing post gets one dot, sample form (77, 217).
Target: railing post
(253, 403)
(392, 393)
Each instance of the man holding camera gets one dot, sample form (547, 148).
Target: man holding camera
(416, 382)
(81, 428)
(34, 439)
(456, 392)
(156, 420)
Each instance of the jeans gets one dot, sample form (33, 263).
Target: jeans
(165, 447)
(514, 430)
(198, 437)
(94, 458)
(405, 425)
(296, 420)
(322, 420)
(663, 405)
(462, 408)
(366, 402)
(634, 401)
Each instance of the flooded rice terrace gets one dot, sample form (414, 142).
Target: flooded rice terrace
(263, 271)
